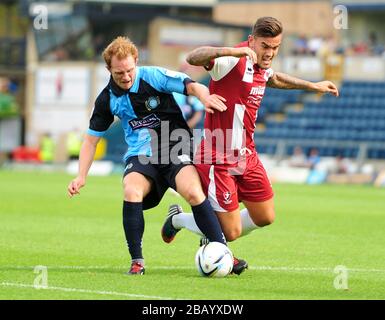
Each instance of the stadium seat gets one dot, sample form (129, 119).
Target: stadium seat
(358, 115)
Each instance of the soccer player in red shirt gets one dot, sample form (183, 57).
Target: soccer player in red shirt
(226, 160)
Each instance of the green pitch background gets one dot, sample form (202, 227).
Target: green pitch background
(81, 242)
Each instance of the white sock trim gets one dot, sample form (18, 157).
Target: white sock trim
(187, 221)
(248, 224)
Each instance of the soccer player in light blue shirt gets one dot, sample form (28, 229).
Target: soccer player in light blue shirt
(141, 97)
(192, 108)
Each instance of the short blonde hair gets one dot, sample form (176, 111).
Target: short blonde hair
(121, 47)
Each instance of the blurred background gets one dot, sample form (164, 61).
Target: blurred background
(51, 71)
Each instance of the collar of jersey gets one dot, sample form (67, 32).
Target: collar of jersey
(118, 91)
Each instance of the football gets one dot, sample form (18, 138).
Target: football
(214, 260)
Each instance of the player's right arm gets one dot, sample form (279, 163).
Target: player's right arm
(281, 80)
(202, 56)
(86, 157)
(100, 121)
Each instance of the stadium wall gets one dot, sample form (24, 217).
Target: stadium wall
(171, 39)
(296, 18)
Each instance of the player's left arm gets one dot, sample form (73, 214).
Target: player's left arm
(171, 81)
(284, 81)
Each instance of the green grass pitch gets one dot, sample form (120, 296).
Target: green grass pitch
(81, 242)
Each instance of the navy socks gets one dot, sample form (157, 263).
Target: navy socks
(207, 221)
(133, 223)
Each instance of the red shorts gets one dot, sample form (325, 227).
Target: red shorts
(225, 185)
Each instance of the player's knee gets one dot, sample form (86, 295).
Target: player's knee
(133, 193)
(194, 197)
(267, 218)
(232, 234)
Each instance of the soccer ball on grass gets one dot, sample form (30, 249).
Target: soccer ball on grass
(214, 260)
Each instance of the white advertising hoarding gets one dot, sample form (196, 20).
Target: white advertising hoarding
(59, 121)
(102, 78)
(10, 134)
(62, 86)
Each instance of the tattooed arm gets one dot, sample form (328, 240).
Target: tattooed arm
(203, 55)
(284, 81)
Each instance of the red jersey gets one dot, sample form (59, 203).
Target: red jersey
(243, 85)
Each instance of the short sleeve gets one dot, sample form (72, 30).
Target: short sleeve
(166, 80)
(101, 117)
(220, 67)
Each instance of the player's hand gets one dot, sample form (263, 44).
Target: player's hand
(75, 185)
(246, 51)
(215, 102)
(327, 87)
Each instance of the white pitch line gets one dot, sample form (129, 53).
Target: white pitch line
(110, 293)
(261, 268)
(313, 269)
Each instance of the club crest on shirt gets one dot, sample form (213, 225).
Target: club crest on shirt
(226, 197)
(152, 103)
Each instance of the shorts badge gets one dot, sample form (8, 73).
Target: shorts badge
(226, 197)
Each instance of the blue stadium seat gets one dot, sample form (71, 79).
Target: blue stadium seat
(358, 115)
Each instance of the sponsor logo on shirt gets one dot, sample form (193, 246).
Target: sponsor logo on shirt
(256, 95)
(151, 121)
(259, 91)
